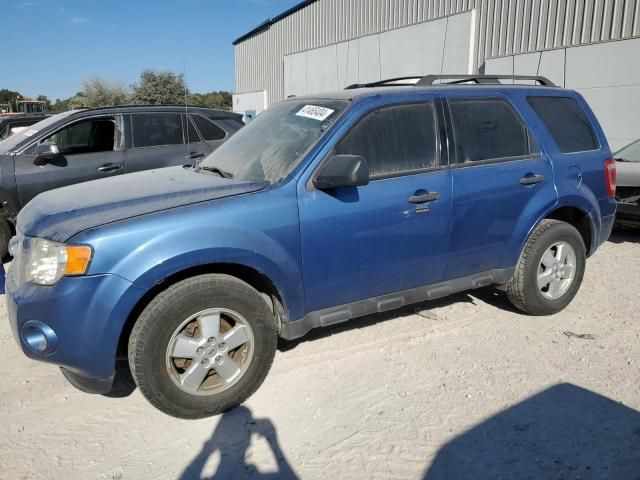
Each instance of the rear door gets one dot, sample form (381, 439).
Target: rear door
(501, 183)
(158, 139)
(381, 238)
(578, 148)
(91, 148)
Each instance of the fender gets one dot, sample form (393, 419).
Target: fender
(528, 221)
(260, 235)
(585, 200)
(148, 272)
(574, 201)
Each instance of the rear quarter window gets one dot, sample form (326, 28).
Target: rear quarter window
(209, 130)
(567, 123)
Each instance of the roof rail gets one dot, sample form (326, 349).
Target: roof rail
(429, 80)
(389, 82)
(485, 79)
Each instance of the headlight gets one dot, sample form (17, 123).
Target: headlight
(47, 261)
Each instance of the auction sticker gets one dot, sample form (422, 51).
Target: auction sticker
(314, 112)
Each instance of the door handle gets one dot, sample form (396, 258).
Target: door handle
(194, 155)
(531, 179)
(425, 197)
(110, 167)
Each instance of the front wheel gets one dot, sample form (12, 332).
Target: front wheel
(203, 346)
(550, 269)
(5, 236)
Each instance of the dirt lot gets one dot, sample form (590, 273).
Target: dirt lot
(468, 388)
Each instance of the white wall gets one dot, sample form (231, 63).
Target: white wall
(606, 74)
(447, 44)
(251, 101)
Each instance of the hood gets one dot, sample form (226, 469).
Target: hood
(628, 174)
(61, 213)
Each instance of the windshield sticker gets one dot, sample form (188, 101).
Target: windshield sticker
(315, 113)
(30, 133)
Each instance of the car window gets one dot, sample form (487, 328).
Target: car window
(630, 153)
(88, 136)
(154, 129)
(208, 129)
(13, 128)
(567, 123)
(487, 129)
(399, 138)
(273, 144)
(191, 132)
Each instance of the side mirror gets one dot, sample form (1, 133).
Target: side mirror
(45, 152)
(343, 171)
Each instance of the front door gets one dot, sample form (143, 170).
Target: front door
(388, 236)
(501, 183)
(89, 148)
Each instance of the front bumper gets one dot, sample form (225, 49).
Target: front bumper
(86, 316)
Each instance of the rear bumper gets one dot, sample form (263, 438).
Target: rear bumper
(75, 324)
(628, 214)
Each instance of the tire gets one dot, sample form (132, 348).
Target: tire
(523, 289)
(5, 236)
(159, 374)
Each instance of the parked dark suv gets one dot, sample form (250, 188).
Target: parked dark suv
(82, 145)
(10, 123)
(322, 209)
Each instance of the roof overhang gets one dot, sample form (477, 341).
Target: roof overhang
(266, 25)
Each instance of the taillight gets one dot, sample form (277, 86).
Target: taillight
(610, 176)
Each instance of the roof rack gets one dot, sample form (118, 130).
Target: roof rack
(429, 80)
(389, 82)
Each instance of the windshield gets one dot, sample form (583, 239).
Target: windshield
(630, 153)
(273, 144)
(9, 144)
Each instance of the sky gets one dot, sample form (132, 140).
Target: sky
(51, 46)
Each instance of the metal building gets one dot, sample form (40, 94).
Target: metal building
(592, 46)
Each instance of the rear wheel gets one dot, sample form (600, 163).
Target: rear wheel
(203, 346)
(550, 269)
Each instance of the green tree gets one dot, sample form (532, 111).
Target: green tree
(221, 100)
(99, 92)
(160, 88)
(9, 97)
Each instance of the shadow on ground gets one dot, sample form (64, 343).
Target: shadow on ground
(231, 439)
(565, 432)
(625, 235)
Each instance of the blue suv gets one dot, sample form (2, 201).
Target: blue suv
(322, 209)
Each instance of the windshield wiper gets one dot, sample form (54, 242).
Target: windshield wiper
(222, 173)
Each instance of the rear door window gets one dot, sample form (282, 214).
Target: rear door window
(209, 130)
(567, 123)
(487, 129)
(155, 129)
(395, 140)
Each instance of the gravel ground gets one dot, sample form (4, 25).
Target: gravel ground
(460, 388)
